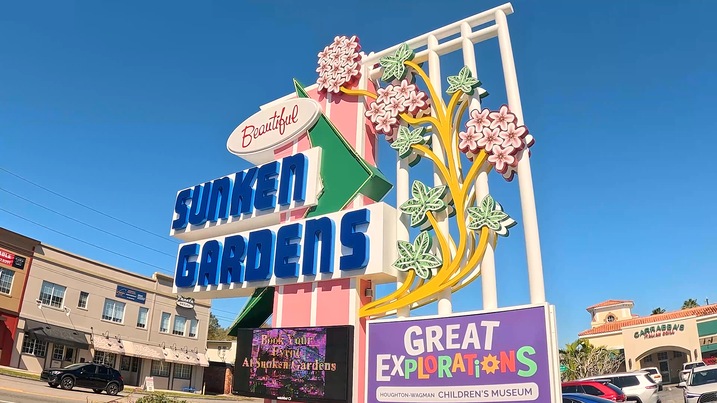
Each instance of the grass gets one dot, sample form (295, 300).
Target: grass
(19, 374)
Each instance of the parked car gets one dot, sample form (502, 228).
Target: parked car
(687, 367)
(583, 398)
(606, 390)
(701, 386)
(655, 375)
(637, 386)
(85, 375)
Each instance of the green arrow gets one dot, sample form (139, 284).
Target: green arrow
(344, 172)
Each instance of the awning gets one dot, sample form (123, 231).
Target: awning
(256, 311)
(109, 345)
(142, 350)
(57, 334)
(180, 356)
(708, 347)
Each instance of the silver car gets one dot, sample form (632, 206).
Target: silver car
(701, 385)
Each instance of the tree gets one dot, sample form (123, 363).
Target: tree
(582, 359)
(216, 332)
(690, 303)
(658, 311)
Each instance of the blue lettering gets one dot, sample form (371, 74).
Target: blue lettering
(286, 263)
(232, 266)
(353, 226)
(266, 186)
(200, 202)
(260, 252)
(293, 171)
(219, 202)
(243, 194)
(318, 231)
(209, 263)
(182, 209)
(186, 272)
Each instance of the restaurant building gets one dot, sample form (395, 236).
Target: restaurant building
(78, 310)
(15, 259)
(665, 341)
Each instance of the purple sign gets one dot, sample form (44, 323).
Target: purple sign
(482, 357)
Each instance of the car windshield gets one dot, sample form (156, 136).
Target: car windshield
(694, 364)
(614, 388)
(75, 366)
(703, 377)
(652, 371)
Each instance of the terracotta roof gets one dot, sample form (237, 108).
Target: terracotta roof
(610, 302)
(619, 324)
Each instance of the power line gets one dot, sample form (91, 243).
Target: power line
(88, 207)
(85, 242)
(86, 224)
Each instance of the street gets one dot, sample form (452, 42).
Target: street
(18, 390)
(671, 394)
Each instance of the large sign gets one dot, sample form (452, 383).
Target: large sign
(256, 138)
(501, 356)
(305, 364)
(348, 243)
(11, 259)
(665, 329)
(131, 294)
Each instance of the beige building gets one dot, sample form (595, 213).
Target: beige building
(78, 310)
(665, 341)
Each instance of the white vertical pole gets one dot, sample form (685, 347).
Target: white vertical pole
(361, 128)
(402, 223)
(525, 178)
(487, 267)
(445, 305)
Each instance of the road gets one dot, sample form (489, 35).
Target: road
(17, 390)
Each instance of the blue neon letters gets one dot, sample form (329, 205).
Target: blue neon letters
(305, 248)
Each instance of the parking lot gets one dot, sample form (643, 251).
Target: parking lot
(671, 394)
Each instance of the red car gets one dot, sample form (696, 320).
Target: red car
(606, 390)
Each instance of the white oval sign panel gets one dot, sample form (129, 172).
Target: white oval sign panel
(274, 126)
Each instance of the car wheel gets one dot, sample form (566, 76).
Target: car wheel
(67, 383)
(97, 390)
(112, 389)
(53, 385)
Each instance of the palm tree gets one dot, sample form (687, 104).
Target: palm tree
(582, 359)
(658, 311)
(690, 303)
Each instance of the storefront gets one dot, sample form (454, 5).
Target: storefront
(665, 341)
(79, 310)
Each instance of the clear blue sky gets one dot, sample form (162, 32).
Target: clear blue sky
(117, 105)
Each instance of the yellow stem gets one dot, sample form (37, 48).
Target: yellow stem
(433, 157)
(419, 121)
(475, 169)
(364, 93)
(452, 103)
(437, 101)
(442, 242)
(408, 281)
(473, 261)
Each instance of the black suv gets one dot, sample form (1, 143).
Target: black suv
(85, 375)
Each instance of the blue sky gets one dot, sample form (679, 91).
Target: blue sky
(119, 105)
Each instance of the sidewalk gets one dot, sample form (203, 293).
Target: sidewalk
(132, 393)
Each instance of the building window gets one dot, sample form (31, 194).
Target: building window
(611, 318)
(6, 280)
(182, 371)
(193, 327)
(82, 302)
(69, 353)
(31, 345)
(164, 323)
(647, 358)
(662, 355)
(677, 354)
(160, 368)
(52, 294)
(125, 362)
(114, 311)
(58, 352)
(180, 323)
(105, 358)
(142, 318)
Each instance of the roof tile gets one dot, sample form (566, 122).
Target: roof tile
(618, 325)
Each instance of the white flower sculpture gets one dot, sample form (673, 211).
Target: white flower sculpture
(339, 64)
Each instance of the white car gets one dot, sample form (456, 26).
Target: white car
(637, 386)
(655, 375)
(686, 367)
(701, 385)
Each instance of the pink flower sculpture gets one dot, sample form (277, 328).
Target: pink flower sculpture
(391, 102)
(499, 135)
(339, 64)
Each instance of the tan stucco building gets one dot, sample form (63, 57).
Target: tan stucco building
(77, 310)
(665, 341)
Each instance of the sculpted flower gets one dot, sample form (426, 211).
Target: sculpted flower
(374, 111)
(395, 106)
(513, 136)
(339, 64)
(502, 157)
(385, 123)
(479, 119)
(469, 140)
(489, 138)
(385, 94)
(416, 101)
(501, 118)
(404, 89)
